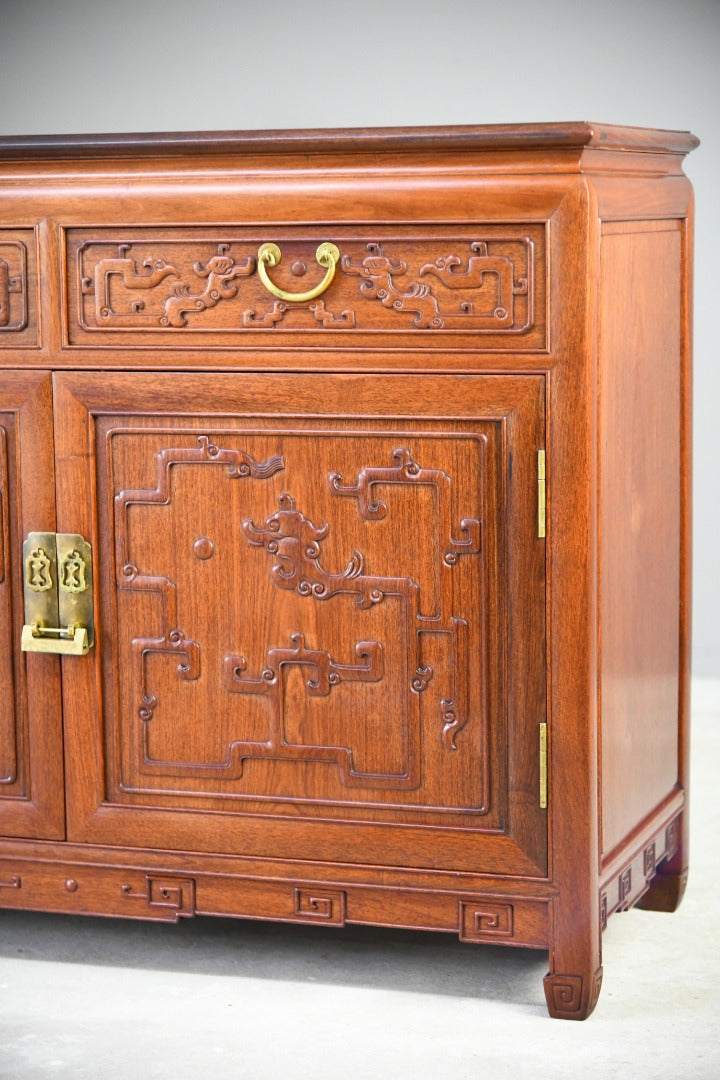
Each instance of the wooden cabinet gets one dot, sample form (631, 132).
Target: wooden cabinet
(379, 441)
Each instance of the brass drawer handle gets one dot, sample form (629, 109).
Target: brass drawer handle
(326, 255)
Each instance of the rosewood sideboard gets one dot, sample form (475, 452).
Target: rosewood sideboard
(344, 529)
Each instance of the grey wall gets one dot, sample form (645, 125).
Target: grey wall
(149, 65)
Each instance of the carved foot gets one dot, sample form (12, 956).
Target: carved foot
(665, 892)
(572, 997)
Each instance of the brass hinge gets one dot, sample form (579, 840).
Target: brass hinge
(541, 492)
(543, 766)
(58, 591)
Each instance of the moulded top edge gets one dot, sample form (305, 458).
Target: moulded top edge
(489, 137)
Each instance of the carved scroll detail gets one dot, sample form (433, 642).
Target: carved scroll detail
(240, 465)
(13, 283)
(345, 320)
(408, 471)
(324, 672)
(218, 272)
(151, 279)
(295, 542)
(488, 282)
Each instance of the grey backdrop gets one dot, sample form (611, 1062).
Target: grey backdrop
(154, 65)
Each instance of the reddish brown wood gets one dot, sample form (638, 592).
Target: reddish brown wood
(327, 630)
(31, 752)
(363, 140)
(431, 772)
(640, 482)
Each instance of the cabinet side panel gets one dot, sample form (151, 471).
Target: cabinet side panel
(640, 362)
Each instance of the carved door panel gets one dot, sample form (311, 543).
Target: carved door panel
(31, 753)
(321, 612)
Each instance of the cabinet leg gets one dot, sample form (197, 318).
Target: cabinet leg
(667, 888)
(572, 985)
(572, 997)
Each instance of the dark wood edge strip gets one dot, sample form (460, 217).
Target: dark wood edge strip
(353, 140)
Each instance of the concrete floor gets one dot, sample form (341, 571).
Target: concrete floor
(109, 999)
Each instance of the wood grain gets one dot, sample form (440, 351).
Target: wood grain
(31, 757)
(639, 460)
(327, 630)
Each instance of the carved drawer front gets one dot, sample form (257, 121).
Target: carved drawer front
(18, 288)
(482, 284)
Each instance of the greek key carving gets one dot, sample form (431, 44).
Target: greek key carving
(649, 860)
(630, 884)
(168, 897)
(565, 994)
(672, 838)
(323, 905)
(486, 921)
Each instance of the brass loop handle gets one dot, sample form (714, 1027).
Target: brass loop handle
(269, 255)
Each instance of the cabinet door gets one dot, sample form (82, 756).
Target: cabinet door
(321, 615)
(31, 752)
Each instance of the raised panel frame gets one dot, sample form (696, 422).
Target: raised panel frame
(31, 748)
(518, 838)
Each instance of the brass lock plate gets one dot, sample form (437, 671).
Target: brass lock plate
(58, 590)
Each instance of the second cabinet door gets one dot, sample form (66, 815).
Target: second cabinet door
(320, 615)
(31, 750)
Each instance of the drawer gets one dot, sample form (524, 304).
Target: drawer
(479, 286)
(18, 288)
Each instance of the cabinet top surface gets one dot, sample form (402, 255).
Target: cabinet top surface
(576, 135)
